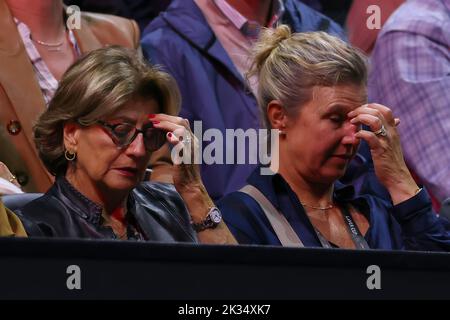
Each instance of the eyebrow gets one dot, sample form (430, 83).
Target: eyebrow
(337, 108)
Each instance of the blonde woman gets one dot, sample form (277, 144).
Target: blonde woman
(109, 114)
(312, 87)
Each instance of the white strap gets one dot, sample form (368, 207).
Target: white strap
(283, 229)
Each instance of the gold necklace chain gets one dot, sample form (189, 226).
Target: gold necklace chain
(331, 206)
(48, 44)
(107, 221)
(51, 46)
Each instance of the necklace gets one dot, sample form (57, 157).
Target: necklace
(115, 225)
(50, 46)
(330, 206)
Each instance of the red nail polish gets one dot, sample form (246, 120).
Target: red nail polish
(151, 116)
(170, 134)
(155, 122)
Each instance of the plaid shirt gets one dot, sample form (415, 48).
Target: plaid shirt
(410, 73)
(45, 78)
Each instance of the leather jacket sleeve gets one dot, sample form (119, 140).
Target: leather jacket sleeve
(161, 211)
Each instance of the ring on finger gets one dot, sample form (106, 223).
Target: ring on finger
(381, 132)
(187, 139)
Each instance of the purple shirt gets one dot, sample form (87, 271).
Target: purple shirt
(410, 73)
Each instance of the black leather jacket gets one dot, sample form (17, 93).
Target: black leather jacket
(156, 212)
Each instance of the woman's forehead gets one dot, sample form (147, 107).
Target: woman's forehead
(135, 109)
(348, 95)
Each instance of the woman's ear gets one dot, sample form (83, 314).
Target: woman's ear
(276, 115)
(71, 133)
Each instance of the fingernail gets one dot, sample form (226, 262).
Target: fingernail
(169, 134)
(351, 114)
(354, 120)
(151, 116)
(155, 122)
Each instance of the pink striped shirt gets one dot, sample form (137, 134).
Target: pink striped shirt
(235, 32)
(47, 82)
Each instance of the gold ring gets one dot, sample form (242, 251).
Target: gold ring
(12, 178)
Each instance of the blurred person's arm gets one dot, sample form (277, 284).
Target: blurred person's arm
(359, 34)
(10, 225)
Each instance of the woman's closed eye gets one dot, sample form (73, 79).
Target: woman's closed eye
(337, 119)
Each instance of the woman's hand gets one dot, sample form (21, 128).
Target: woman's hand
(7, 175)
(186, 175)
(387, 155)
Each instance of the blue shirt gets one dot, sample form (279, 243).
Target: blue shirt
(410, 225)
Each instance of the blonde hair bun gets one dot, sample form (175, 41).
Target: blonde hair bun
(289, 65)
(269, 40)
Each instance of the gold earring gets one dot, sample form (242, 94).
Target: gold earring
(282, 132)
(69, 155)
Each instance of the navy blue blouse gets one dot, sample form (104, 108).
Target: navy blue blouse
(410, 225)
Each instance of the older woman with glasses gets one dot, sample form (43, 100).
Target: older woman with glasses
(110, 112)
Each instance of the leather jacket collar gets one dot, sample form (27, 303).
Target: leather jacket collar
(76, 201)
(156, 208)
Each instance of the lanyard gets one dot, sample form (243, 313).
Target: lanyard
(352, 228)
